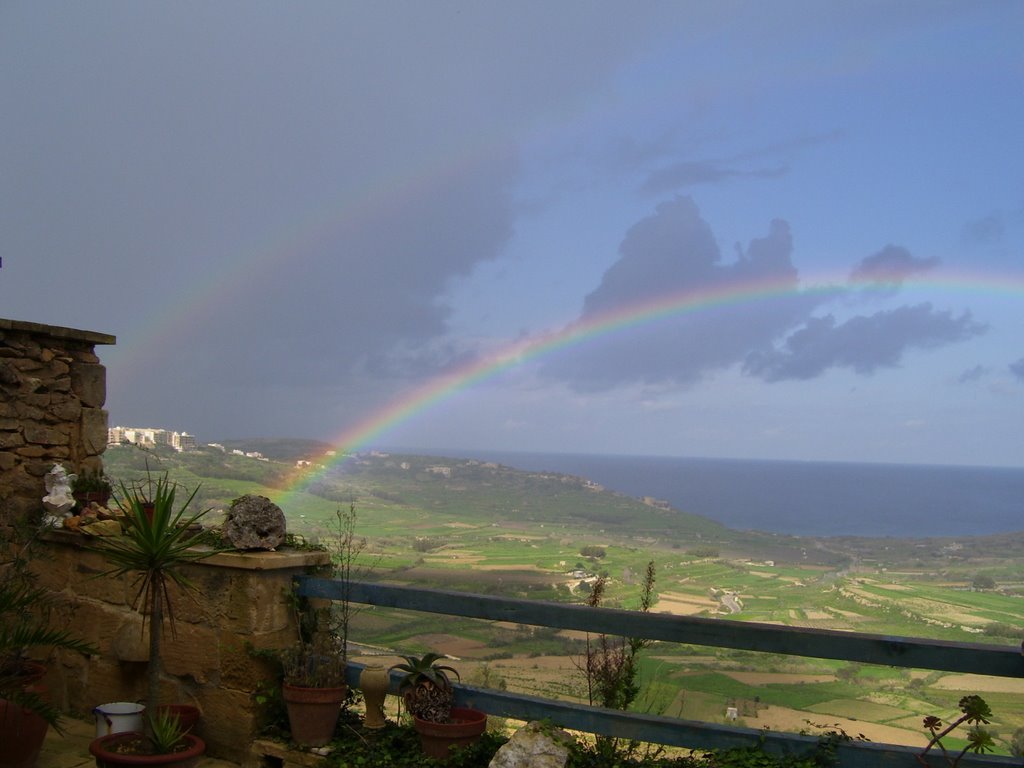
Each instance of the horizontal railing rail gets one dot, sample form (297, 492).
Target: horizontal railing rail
(976, 658)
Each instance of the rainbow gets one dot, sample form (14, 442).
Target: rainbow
(443, 387)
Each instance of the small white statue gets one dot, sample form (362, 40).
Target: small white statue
(58, 499)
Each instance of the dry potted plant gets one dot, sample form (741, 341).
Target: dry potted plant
(314, 686)
(88, 487)
(314, 682)
(154, 547)
(427, 692)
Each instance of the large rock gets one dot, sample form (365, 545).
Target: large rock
(254, 522)
(535, 745)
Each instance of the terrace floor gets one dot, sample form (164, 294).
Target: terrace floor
(71, 750)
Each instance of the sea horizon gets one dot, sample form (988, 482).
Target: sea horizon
(800, 497)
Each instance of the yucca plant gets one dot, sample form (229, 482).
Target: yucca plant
(426, 687)
(155, 545)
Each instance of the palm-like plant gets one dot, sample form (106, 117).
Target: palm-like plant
(25, 610)
(426, 687)
(155, 545)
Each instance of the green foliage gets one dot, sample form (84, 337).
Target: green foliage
(610, 667)
(165, 732)
(425, 686)
(91, 482)
(421, 669)
(29, 621)
(156, 544)
(983, 581)
(398, 746)
(593, 552)
(975, 712)
(157, 541)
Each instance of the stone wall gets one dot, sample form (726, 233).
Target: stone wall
(239, 606)
(52, 391)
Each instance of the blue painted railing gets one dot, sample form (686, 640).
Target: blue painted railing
(849, 646)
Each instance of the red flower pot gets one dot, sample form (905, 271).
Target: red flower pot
(22, 731)
(464, 727)
(125, 750)
(313, 712)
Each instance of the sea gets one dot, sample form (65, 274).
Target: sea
(805, 497)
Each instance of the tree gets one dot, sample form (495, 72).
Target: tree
(983, 581)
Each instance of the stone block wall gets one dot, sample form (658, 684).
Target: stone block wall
(239, 606)
(52, 391)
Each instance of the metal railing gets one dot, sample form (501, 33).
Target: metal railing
(940, 655)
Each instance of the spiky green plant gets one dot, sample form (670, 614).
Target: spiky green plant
(166, 733)
(26, 610)
(155, 546)
(426, 688)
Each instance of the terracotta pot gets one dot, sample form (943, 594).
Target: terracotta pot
(108, 752)
(464, 727)
(22, 731)
(313, 712)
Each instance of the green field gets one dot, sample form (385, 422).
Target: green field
(466, 525)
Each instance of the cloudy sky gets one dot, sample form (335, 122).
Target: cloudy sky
(736, 229)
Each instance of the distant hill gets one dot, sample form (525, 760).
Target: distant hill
(435, 493)
(284, 449)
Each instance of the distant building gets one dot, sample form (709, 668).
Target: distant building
(180, 441)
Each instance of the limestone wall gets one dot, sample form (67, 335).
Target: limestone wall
(239, 605)
(52, 391)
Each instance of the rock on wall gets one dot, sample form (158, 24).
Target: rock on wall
(52, 391)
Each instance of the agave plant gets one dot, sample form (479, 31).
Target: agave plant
(155, 545)
(426, 687)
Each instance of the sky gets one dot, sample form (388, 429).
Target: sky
(781, 230)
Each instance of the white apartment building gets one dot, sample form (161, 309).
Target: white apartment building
(180, 441)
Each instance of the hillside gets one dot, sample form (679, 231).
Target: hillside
(466, 525)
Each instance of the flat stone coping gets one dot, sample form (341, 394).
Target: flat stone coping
(57, 331)
(256, 560)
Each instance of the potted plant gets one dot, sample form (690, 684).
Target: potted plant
(25, 613)
(88, 487)
(153, 548)
(314, 687)
(427, 692)
(166, 745)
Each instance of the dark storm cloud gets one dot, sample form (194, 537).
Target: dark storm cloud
(863, 343)
(1017, 369)
(774, 337)
(246, 183)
